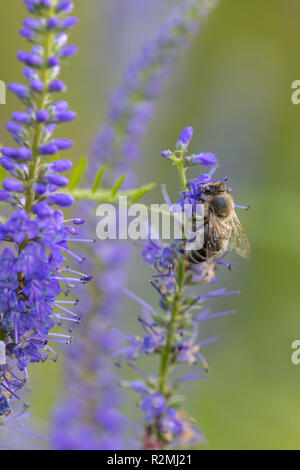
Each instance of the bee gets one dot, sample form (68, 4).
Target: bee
(222, 228)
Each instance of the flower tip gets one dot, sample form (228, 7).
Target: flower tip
(78, 221)
(185, 137)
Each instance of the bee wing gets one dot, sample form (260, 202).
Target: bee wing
(218, 234)
(238, 239)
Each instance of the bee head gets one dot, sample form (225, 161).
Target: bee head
(214, 188)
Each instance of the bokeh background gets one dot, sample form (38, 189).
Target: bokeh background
(234, 87)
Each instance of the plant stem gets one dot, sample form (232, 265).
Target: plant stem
(166, 355)
(165, 358)
(182, 175)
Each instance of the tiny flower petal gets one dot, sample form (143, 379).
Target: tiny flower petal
(185, 137)
(57, 85)
(62, 200)
(60, 165)
(13, 185)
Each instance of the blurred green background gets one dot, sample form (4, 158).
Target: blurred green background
(234, 87)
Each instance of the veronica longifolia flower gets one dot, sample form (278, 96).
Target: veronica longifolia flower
(133, 104)
(36, 238)
(79, 421)
(172, 334)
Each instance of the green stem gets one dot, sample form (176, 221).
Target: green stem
(182, 175)
(165, 358)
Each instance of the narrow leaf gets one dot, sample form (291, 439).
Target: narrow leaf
(141, 192)
(98, 179)
(118, 185)
(77, 173)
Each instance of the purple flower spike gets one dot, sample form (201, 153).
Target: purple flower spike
(185, 137)
(60, 165)
(13, 185)
(119, 144)
(34, 235)
(57, 85)
(62, 200)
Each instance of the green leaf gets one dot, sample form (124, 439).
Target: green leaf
(141, 192)
(98, 179)
(118, 185)
(77, 173)
(106, 195)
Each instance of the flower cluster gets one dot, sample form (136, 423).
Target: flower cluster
(133, 104)
(88, 417)
(35, 238)
(172, 334)
(79, 420)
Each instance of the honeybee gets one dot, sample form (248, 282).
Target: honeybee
(222, 228)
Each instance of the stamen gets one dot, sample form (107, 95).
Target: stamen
(84, 278)
(73, 302)
(71, 279)
(76, 221)
(139, 300)
(82, 240)
(75, 320)
(66, 310)
(60, 337)
(10, 391)
(246, 208)
(71, 253)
